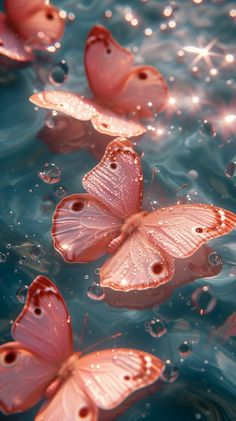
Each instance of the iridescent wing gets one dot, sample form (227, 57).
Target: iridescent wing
(115, 82)
(83, 227)
(117, 180)
(102, 120)
(111, 375)
(70, 403)
(24, 377)
(137, 265)
(180, 230)
(44, 325)
(37, 22)
(11, 47)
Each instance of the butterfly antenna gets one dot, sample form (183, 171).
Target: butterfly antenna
(184, 186)
(117, 335)
(85, 324)
(154, 172)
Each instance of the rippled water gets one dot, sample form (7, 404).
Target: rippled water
(194, 145)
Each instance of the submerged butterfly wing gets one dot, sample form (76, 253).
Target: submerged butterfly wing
(107, 63)
(117, 180)
(181, 229)
(24, 378)
(37, 22)
(144, 92)
(70, 403)
(44, 325)
(110, 376)
(136, 265)
(11, 47)
(82, 228)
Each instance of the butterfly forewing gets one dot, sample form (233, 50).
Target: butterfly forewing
(83, 228)
(117, 180)
(44, 325)
(24, 377)
(107, 63)
(181, 229)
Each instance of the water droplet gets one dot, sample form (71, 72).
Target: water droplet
(3, 257)
(22, 260)
(96, 292)
(50, 173)
(185, 349)
(230, 170)
(21, 294)
(208, 128)
(60, 191)
(214, 259)
(59, 73)
(193, 174)
(156, 328)
(37, 251)
(203, 300)
(170, 372)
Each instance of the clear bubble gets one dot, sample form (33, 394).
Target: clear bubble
(203, 300)
(50, 173)
(214, 259)
(193, 174)
(170, 373)
(50, 121)
(59, 73)
(21, 294)
(230, 170)
(156, 328)
(185, 349)
(47, 205)
(60, 191)
(3, 257)
(22, 260)
(96, 292)
(37, 251)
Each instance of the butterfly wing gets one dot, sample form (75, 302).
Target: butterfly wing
(70, 402)
(11, 47)
(136, 265)
(82, 228)
(24, 378)
(181, 229)
(107, 63)
(110, 376)
(103, 120)
(37, 22)
(117, 180)
(44, 325)
(144, 92)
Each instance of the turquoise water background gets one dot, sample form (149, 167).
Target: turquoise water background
(188, 152)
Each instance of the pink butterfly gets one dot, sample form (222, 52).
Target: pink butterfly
(42, 364)
(110, 219)
(116, 84)
(26, 26)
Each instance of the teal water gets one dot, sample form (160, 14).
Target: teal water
(189, 151)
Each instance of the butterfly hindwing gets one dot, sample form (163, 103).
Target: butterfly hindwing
(24, 377)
